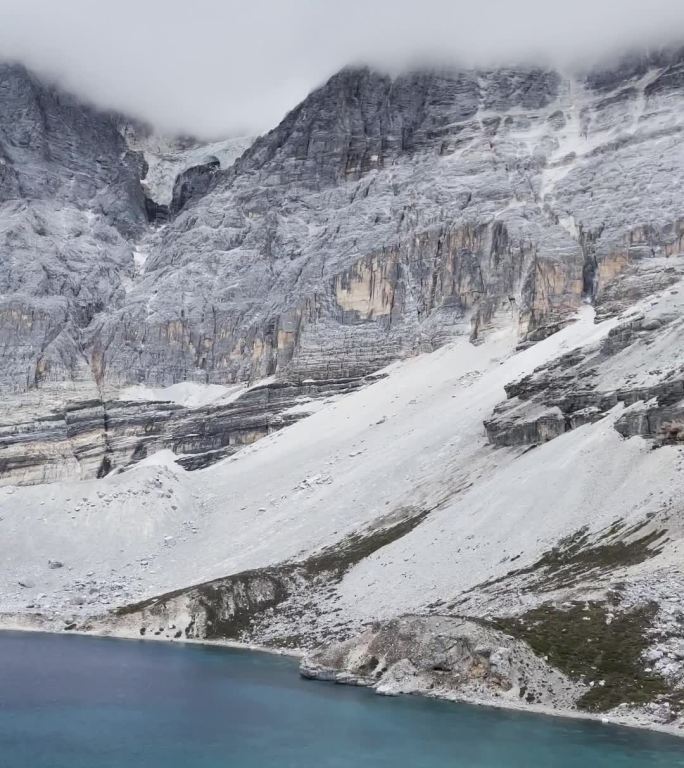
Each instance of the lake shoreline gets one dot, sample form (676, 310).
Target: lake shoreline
(632, 721)
(9, 626)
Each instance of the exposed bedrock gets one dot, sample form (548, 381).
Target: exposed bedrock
(381, 218)
(664, 423)
(581, 656)
(92, 438)
(223, 609)
(443, 656)
(637, 366)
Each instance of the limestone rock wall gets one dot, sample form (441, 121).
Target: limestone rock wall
(382, 217)
(90, 438)
(638, 367)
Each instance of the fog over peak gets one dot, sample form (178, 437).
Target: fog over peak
(217, 68)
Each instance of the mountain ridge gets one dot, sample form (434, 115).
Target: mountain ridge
(460, 231)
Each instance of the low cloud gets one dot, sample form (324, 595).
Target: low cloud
(216, 68)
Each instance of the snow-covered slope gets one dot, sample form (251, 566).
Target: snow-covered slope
(168, 157)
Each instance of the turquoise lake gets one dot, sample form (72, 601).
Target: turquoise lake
(77, 702)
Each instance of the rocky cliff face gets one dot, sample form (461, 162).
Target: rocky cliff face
(498, 518)
(71, 204)
(638, 365)
(382, 217)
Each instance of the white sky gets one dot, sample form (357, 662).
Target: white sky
(217, 67)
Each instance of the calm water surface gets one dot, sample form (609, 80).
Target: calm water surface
(76, 702)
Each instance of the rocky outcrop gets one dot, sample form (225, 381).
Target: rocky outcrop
(446, 657)
(191, 183)
(637, 367)
(659, 421)
(224, 609)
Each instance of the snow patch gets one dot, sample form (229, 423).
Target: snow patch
(139, 260)
(189, 394)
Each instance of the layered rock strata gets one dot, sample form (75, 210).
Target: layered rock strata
(382, 217)
(637, 367)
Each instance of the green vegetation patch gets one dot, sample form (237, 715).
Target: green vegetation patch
(340, 557)
(591, 644)
(582, 556)
(577, 557)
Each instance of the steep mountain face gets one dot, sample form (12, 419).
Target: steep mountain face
(71, 203)
(381, 218)
(432, 323)
(384, 216)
